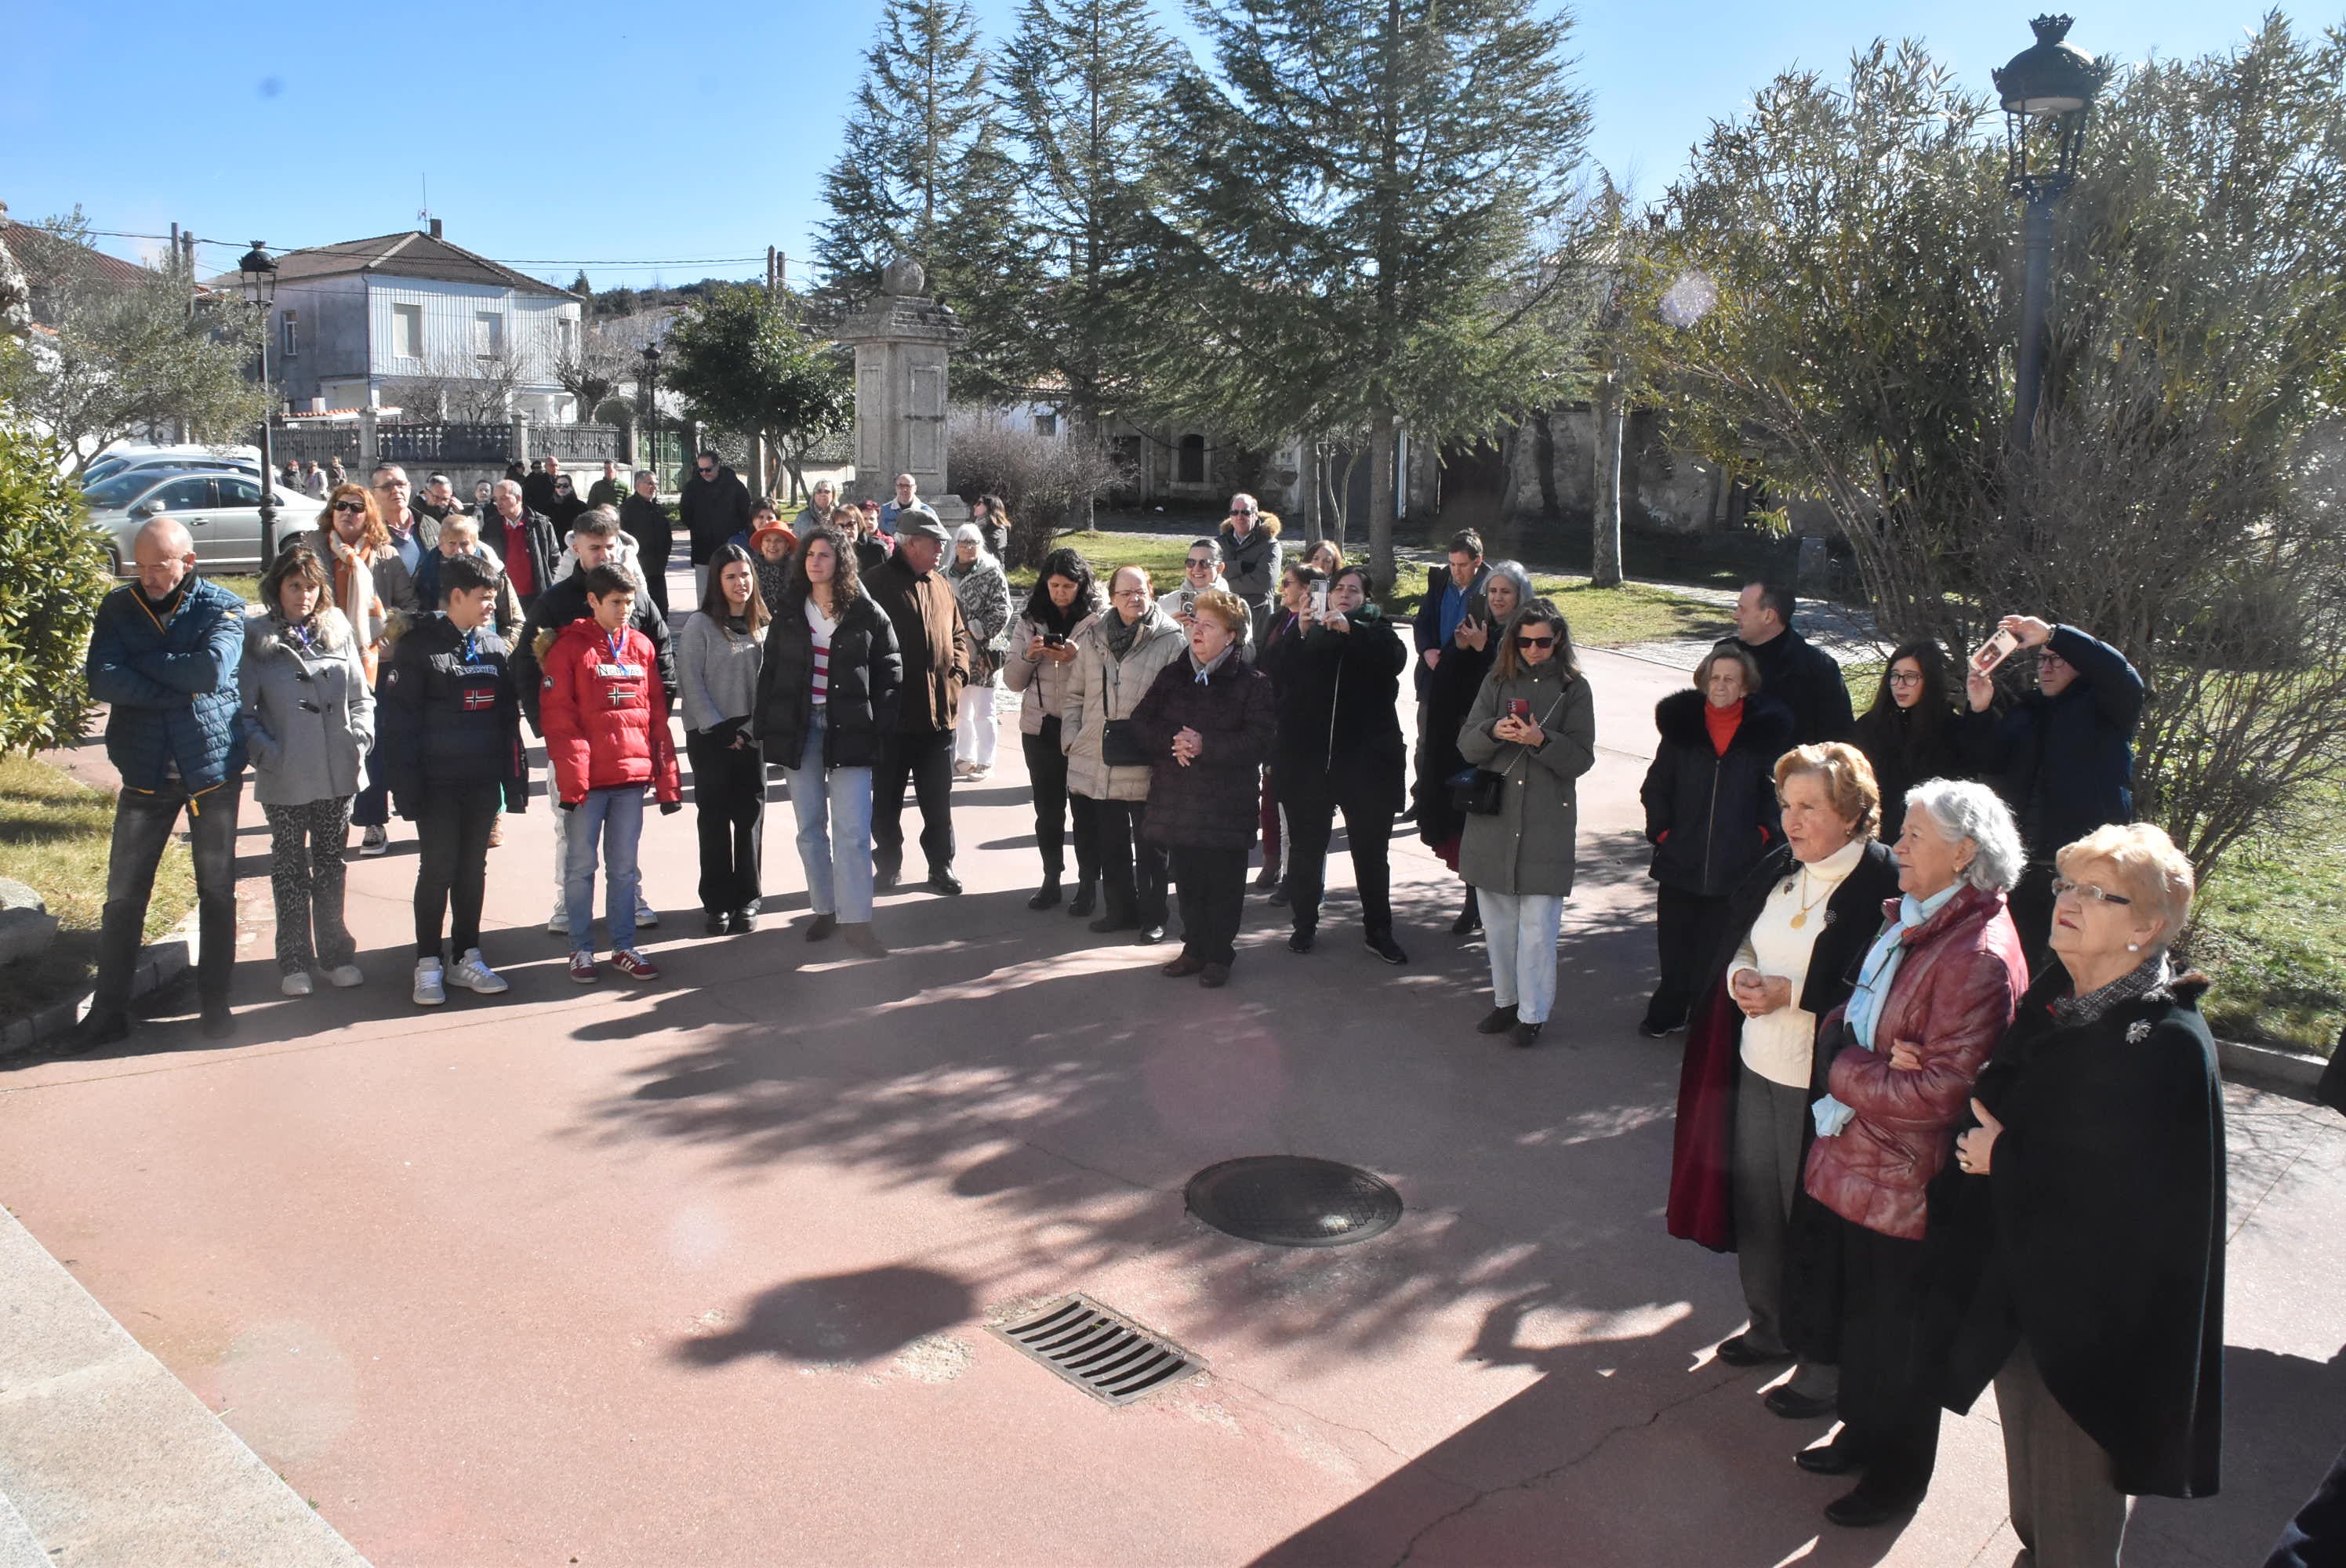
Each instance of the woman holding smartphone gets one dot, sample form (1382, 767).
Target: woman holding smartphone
(1534, 723)
(1037, 666)
(1449, 694)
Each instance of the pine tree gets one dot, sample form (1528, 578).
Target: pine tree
(580, 286)
(1365, 227)
(1088, 80)
(922, 135)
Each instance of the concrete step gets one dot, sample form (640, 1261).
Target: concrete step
(107, 1460)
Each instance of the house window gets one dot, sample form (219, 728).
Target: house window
(1046, 424)
(407, 332)
(291, 320)
(1190, 461)
(488, 334)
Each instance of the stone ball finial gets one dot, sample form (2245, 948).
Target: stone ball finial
(903, 276)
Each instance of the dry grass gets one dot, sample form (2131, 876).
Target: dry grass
(54, 836)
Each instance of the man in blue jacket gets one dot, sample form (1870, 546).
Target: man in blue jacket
(163, 657)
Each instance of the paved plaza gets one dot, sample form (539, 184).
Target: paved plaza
(700, 1273)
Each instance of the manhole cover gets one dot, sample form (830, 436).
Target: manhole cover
(1104, 1353)
(1289, 1200)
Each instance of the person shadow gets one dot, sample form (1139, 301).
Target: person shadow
(837, 1318)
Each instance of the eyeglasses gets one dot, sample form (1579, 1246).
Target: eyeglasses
(704, 468)
(1201, 560)
(1527, 641)
(1898, 679)
(2063, 887)
(350, 505)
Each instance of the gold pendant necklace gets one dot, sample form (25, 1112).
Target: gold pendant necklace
(1801, 919)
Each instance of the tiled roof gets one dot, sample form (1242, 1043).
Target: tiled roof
(412, 254)
(48, 260)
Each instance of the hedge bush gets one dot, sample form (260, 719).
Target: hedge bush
(52, 573)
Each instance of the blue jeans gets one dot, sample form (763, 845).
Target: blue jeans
(614, 818)
(834, 812)
(1519, 932)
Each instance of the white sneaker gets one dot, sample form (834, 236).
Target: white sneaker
(428, 990)
(473, 974)
(558, 922)
(374, 841)
(345, 975)
(646, 917)
(297, 984)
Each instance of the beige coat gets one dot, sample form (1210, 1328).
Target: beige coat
(1101, 687)
(1043, 682)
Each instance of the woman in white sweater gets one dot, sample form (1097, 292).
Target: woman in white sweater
(1802, 918)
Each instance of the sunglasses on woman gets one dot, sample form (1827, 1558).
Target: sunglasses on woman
(350, 505)
(1526, 640)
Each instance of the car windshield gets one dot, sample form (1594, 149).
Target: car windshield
(120, 489)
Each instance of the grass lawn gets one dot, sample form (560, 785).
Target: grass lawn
(1599, 617)
(53, 833)
(247, 588)
(2270, 929)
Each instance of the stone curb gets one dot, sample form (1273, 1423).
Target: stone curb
(2284, 1072)
(160, 964)
(107, 1461)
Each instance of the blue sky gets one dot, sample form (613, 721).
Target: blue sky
(593, 133)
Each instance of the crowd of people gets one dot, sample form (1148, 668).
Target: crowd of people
(1943, 1090)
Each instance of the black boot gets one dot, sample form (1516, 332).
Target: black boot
(1047, 895)
(1470, 919)
(1086, 898)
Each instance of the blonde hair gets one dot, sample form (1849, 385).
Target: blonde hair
(2153, 871)
(1848, 778)
(1742, 660)
(1227, 609)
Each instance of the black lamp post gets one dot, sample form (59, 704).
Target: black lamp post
(2049, 91)
(648, 384)
(260, 276)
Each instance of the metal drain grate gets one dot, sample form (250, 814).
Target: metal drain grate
(1107, 1356)
(1293, 1200)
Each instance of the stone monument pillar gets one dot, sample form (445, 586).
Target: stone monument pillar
(901, 343)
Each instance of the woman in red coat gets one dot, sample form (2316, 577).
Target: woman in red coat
(1933, 996)
(605, 718)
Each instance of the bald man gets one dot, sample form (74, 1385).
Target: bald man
(163, 657)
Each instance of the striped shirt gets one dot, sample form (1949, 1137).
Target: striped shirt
(821, 627)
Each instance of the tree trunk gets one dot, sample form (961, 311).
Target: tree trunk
(1608, 407)
(1381, 495)
(1543, 453)
(1314, 529)
(1082, 511)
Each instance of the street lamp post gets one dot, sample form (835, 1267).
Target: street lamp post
(260, 276)
(2048, 91)
(647, 385)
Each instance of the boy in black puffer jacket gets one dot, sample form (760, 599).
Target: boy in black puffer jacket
(452, 755)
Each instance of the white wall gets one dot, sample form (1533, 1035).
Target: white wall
(531, 326)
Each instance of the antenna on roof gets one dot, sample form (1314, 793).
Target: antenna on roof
(424, 213)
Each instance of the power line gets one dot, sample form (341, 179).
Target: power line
(347, 248)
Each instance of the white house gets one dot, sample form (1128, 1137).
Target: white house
(374, 322)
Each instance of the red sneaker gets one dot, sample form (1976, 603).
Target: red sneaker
(633, 964)
(582, 968)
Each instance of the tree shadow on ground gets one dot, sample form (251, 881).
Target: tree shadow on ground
(839, 1318)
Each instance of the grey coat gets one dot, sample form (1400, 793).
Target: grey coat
(300, 755)
(1043, 682)
(1100, 688)
(1530, 846)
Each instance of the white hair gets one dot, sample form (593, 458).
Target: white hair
(970, 533)
(1962, 809)
(504, 484)
(1513, 572)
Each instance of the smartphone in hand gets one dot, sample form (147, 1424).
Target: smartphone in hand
(1519, 708)
(1995, 651)
(1319, 601)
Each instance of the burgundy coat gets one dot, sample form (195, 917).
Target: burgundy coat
(1954, 994)
(1211, 804)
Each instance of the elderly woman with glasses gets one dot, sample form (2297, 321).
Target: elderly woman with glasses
(1934, 993)
(2091, 1195)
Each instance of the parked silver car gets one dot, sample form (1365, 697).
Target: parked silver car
(152, 461)
(221, 507)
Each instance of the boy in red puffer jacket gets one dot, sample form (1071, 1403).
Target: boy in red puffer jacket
(605, 718)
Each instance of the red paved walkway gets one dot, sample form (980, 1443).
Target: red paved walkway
(697, 1274)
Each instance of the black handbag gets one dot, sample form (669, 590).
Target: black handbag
(1478, 792)
(1120, 747)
